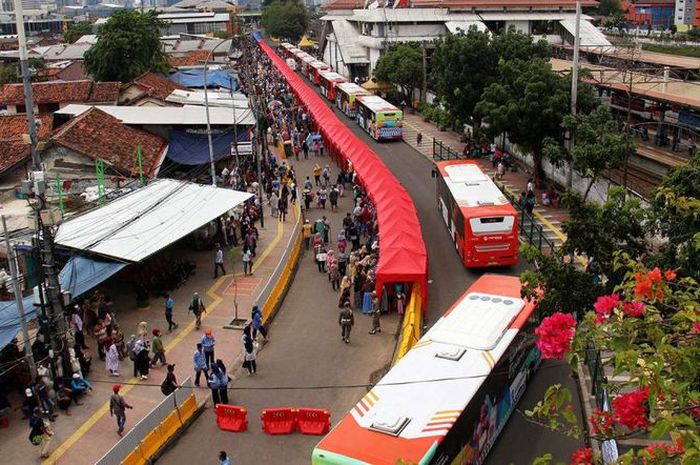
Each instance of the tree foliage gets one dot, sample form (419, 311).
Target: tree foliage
(128, 45)
(402, 64)
(286, 19)
(465, 64)
(609, 7)
(528, 103)
(77, 30)
(676, 209)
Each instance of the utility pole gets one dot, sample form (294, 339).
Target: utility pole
(11, 257)
(235, 125)
(26, 82)
(424, 86)
(574, 89)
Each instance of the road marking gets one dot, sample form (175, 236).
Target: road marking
(216, 300)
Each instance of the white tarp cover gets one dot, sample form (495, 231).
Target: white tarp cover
(134, 227)
(590, 35)
(456, 26)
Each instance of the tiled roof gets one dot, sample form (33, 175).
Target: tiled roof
(189, 59)
(62, 92)
(12, 127)
(98, 135)
(156, 85)
(519, 4)
(13, 149)
(343, 5)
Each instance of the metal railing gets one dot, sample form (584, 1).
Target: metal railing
(132, 439)
(443, 152)
(594, 362)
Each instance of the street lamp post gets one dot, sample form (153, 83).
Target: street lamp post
(206, 111)
(574, 88)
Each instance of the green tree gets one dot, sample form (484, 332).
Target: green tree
(676, 209)
(128, 45)
(515, 45)
(609, 7)
(9, 74)
(528, 103)
(286, 19)
(402, 64)
(599, 144)
(77, 30)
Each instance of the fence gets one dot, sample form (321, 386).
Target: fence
(443, 152)
(276, 286)
(411, 325)
(148, 436)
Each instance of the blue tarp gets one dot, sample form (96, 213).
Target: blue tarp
(194, 78)
(193, 149)
(78, 276)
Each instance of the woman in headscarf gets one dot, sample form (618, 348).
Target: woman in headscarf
(332, 267)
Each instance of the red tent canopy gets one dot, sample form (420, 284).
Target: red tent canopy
(402, 255)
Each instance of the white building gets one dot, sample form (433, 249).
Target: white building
(354, 37)
(685, 13)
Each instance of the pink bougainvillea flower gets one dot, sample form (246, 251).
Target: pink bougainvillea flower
(554, 335)
(634, 309)
(604, 306)
(583, 456)
(602, 423)
(670, 275)
(631, 408)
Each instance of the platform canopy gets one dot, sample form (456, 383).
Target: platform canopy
(139, 224)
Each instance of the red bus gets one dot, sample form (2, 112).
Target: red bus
(315, 70)
(482, 222)
(328, 81)
(446, 401)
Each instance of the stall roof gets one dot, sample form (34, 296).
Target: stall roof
(139, 224)
(188, 115)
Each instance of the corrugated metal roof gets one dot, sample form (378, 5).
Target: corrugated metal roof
(188, 115)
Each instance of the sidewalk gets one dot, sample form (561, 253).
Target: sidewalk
(305, 364)
(89, 432)
(550, 218)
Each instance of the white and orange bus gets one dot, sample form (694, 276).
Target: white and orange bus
(328, 81)
(482, 222)
(448, 398)
(345, 95)
(306, 59)
(315, 69)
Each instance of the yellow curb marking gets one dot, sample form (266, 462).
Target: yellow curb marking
(216, 300)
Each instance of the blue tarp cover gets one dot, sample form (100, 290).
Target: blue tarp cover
(194, 78)
(78, 276)
(193, 149)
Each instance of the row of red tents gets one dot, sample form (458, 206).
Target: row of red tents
(403, 257)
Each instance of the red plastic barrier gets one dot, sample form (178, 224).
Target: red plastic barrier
(279, 420)
(313, 421)
(231, 418)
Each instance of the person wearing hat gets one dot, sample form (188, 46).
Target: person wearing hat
(197, 307)
(40, 434)
(29, 404)
(79, 385)
(208, 343)
(117, 408)
(157, 348)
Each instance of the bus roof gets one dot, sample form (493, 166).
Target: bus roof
(469, 185)
(307, 58)
(318, 64)
(332, 76)
(376, 103)
(414, 406)
(351, 88)
(286, 45)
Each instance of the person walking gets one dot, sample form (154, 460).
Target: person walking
(42, 392)
(257, 323)
(130, 353)
(112, 360)
(346, 320)
(143, 362)
(224, 379)
(219, 262)
(117, 408)
(169, 307)
(199, 363)
(248, 351)
(282, 208)
(170, 382)
(274, 203)
(333, 197)
(213, 383)
(40, 433)
(223, 456)
(197, 307)
(419, 138)
(306, 234)
(317, 174)
(208, 343)
(376, 314)
(247, 258)
(157, 348)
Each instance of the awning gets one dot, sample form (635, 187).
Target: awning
(306, 42)
(455, 27)
(402, 256)
(139, 224)
(193, 149)
(78, 276)
(374, 86)
(590, 35)
(194, 78)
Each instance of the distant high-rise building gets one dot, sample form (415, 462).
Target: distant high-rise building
(685, 12)
(9, 5)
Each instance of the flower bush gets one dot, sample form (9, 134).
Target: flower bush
(554, 335)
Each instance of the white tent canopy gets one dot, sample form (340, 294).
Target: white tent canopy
(139, 224)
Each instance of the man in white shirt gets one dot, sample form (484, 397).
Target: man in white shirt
(219, 261)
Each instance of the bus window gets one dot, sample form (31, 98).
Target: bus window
(494, 224)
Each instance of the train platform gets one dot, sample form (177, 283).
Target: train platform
(89, 432)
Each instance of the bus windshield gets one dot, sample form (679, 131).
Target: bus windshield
(492, 224)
